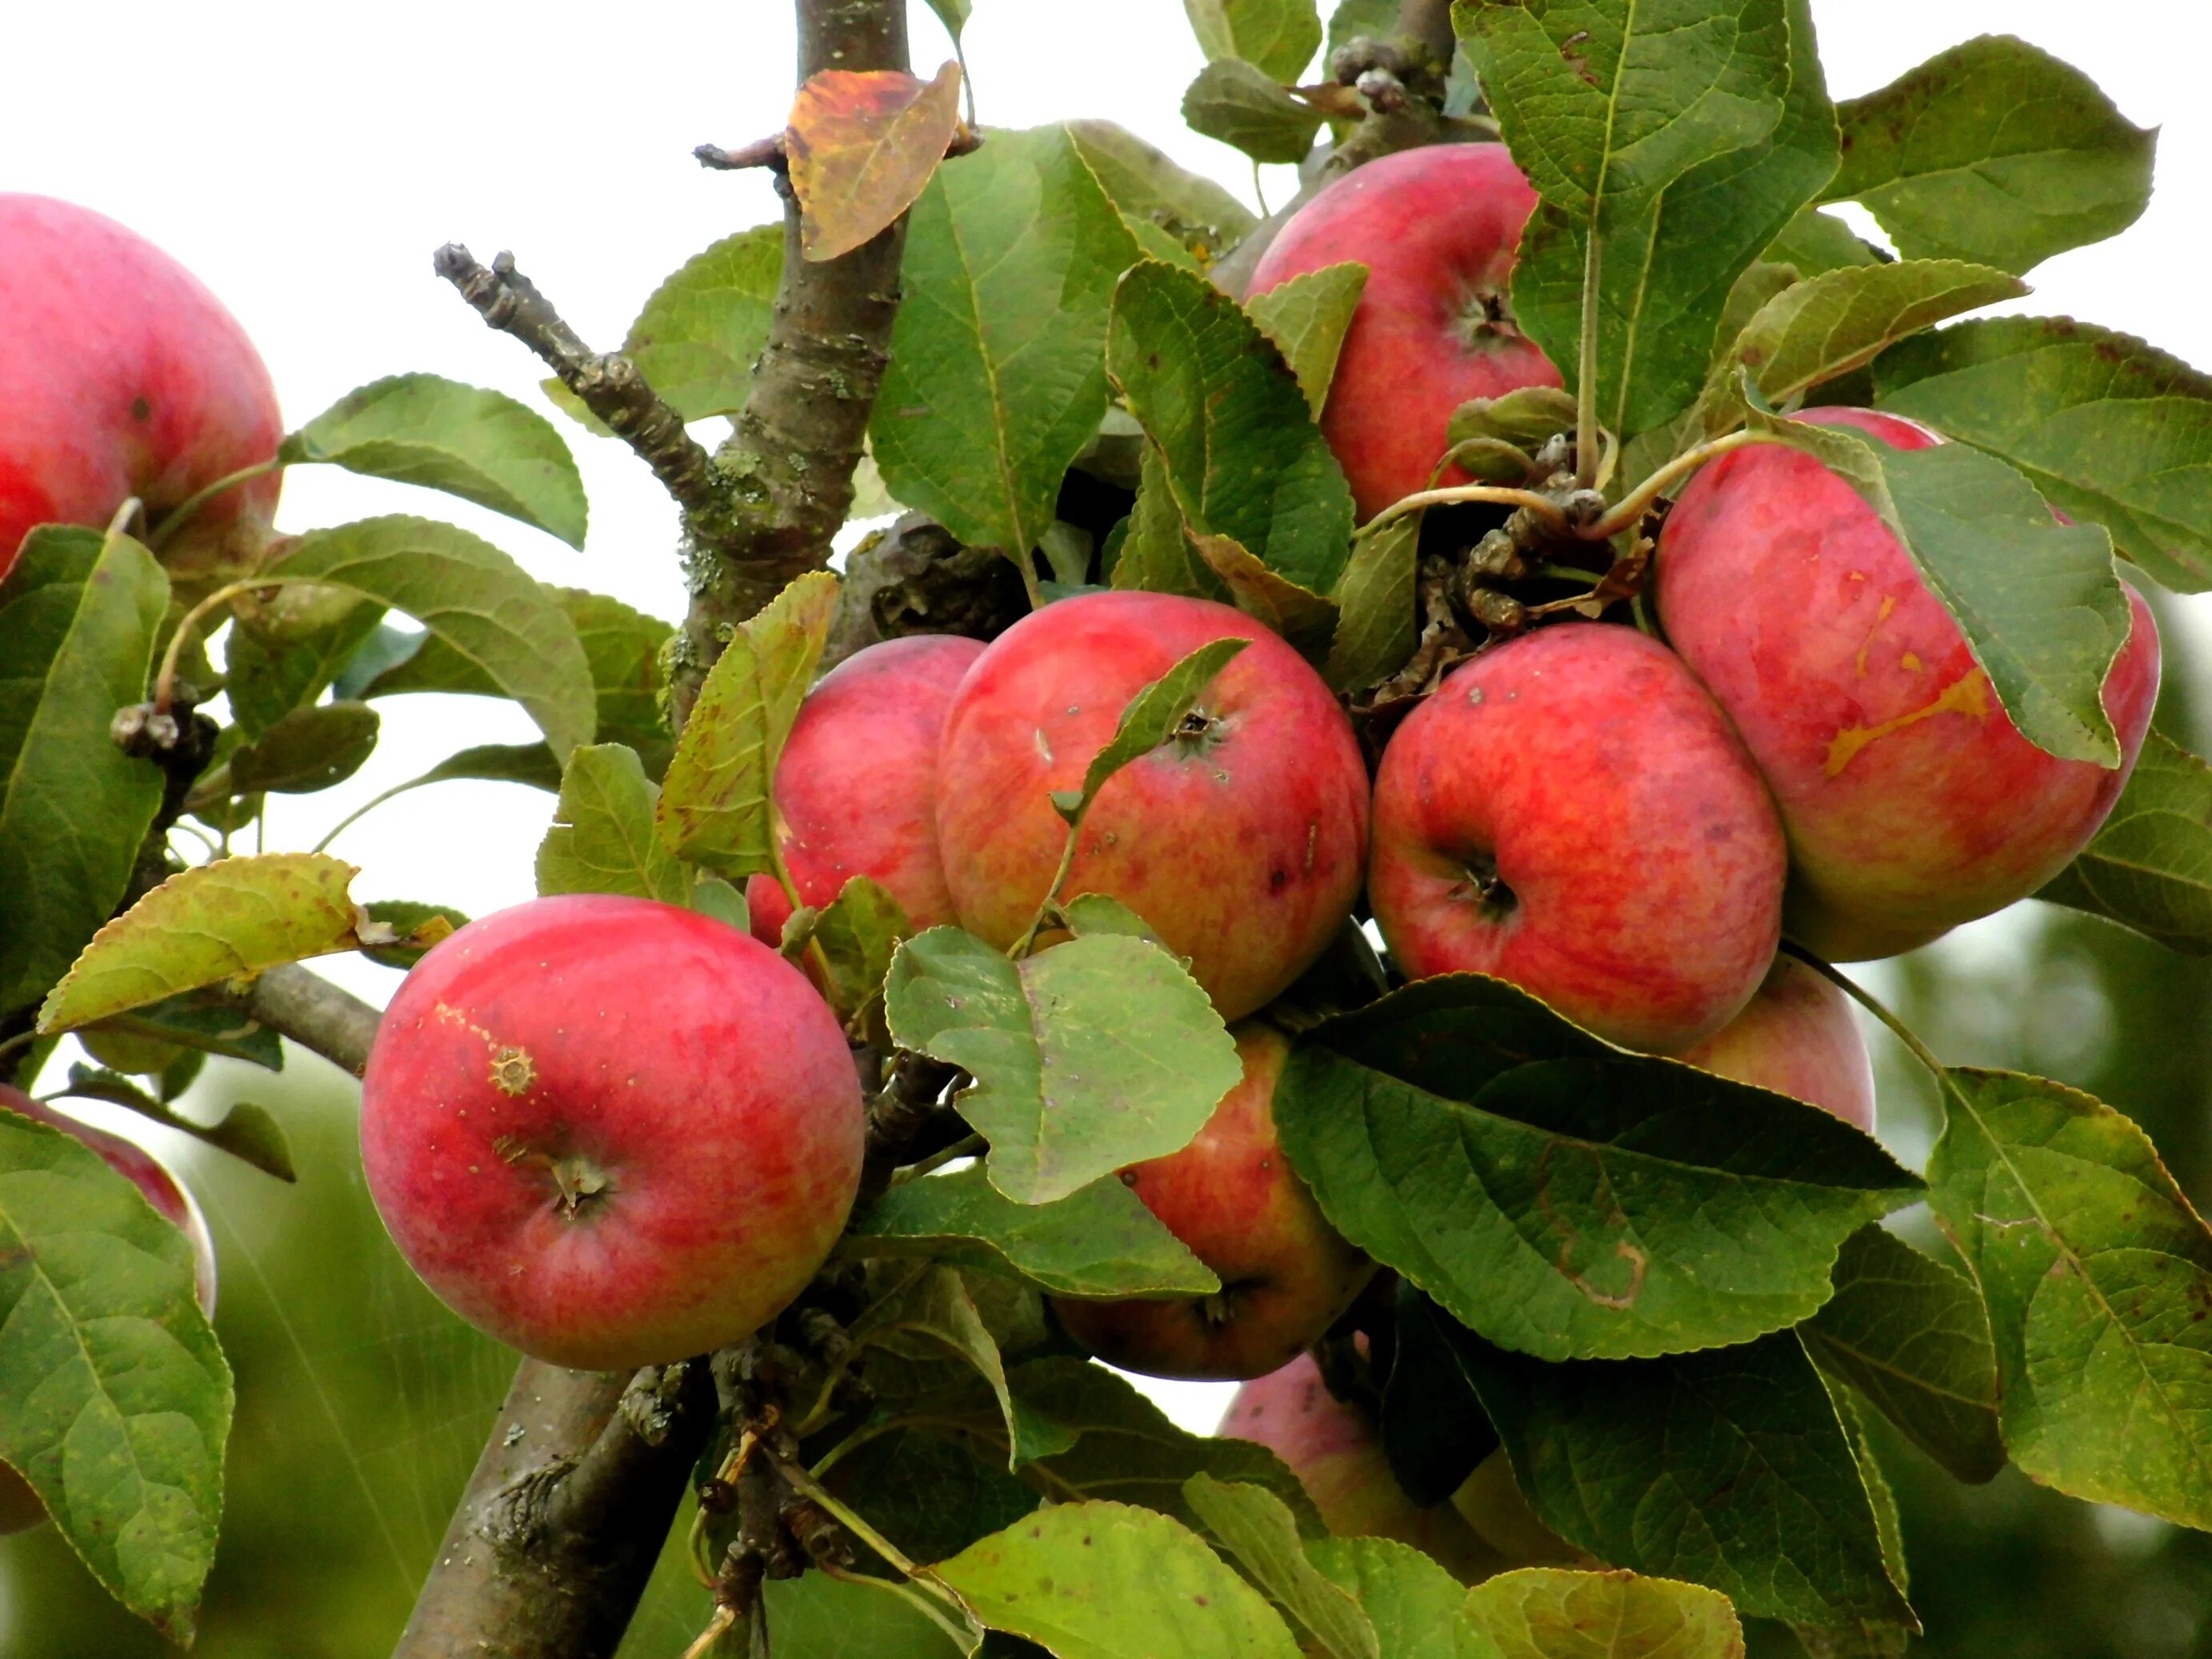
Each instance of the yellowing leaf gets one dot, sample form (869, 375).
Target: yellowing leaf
(861, 145)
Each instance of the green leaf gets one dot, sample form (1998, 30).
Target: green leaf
(115, 1400)
(186, 1022)
(1100, 1240)
(2039, 602)
(464, 440)
(1994, 151)
(1301, 616)
(1154, 555)
(699, 335)
(930, 1496)
(1260, 1531)
(1104, 1580)
(2150, 866)
(602, 838)
(1158, 199)
(1524, 417)
(715, 808)
(1248, 110)
(1276, 37)
(412, 922)
(1417, 1609)
(953, 14)
(308, 750)
(266, 680)
(1911, 1335)
(1377, 604)
(247, 1132)
(1096, 1054)
(1567, 1199)
(1814, 242)
(1375, 19)
(214, 921)
(1551, 1612)
(930, 1317)
(1306, 318)
(1728, 1468)
(1242, 454)
(530, 763)
(1433, 1431)
(472, 596)
(2097, 1273)
(79, 616)
(859, 931)
(997, 379)
(1149, 720)
(816, 1616)
(2105, 426)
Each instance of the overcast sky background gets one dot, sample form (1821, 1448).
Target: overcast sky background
(305, 159)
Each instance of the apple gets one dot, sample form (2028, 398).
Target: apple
(1239, 840)
(610, 1132)
(1335, 1452)
(856, 786)
(1437, 228)
(1570, 812)
(1910, 801)
(1232, 1198)
(1797, 1036)
(1490, 1501)
(124, 377)
(21, 1507)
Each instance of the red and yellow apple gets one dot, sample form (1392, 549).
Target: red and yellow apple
(1797, 1036)
(608, 1132)
(1240, 839)
(1910, 801)
(1437, 228)
(1232, 1198)
(1570, 812)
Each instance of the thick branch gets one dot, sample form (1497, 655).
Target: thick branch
(1429, 22)
(293, 1002)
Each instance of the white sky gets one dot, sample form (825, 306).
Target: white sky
(304, 159)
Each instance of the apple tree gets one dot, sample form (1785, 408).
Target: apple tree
(1314, 851)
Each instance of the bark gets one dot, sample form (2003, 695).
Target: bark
(295, 1002)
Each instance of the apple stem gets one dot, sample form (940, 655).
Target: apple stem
(1502, 495)
(808, 1488)
(966, 1146)
(188, 509)
(1586, 376)
(1022, 945)
(925, 1604)
(165, 683)
(1635, 504)
(1866, 999)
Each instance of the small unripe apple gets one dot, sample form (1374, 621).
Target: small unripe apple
(1232, 1198)
(1797, 1036)
(1911, 802)
(1239, 840)
(1570, 811)
(123, 376)
(856, 788)
(21, 1507)
(1437, 228)
(610, 1132)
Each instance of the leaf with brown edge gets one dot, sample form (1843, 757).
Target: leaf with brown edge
(861, 145)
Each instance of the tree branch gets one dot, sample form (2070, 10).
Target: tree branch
(295, 1002)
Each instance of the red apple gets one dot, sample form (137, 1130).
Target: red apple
(1437, 228)
(1232, 1198)
(856, 788)
(1797, 1036)
(20, 1506)
(123, 377)
(1910, 801)
(1239, 840)
(1570, 812)
(608, 1132)
(1334, 1451)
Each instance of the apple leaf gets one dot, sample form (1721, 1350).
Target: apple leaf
(1378, 605)
(115, 1400)
(1911, 1335)
(928, 1315)
(1415, 1607)
(1994, 151)
(859, 931)
(1524, 417)
(1814, 242)
(1248, 110)
(1154, 555)
(1242, 457)
(1276, 37)
(1305, 618)
(185, 1023)
(997, 379)
(266, 680)
(247, 1132)
(214, 921)
(1099, 1242)
(1551, 1612)
(1728, 1467)
(714, 806)
(1149, 720)
(861, 145)
(529, 763)
(1568, 1199)
(602, 838)
(1166, 207)
(418, 927)
(2096, 1273)
(1307, 318)
(1257, 1528)
(1433, 1430)
(79, 617)
(1104, 1581)
(2040, 605)
(2105, 426)
(472, 596)
(1096, 1053)
(2150, 866)
(466, 440)
(307, 750)
(814, 1614)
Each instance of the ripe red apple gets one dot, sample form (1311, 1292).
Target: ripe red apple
(1911, 802)
(1797, 1036)
(1334, 1451)
(1233, 1198)
(123, 377)
(856, 786)
(1239, 840)
(1570, 811)
(1437, 228)
(608, 1132)
(20, 1506)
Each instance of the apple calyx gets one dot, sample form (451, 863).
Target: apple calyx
(579, 1180)
(1486, 889)
(1485, 320)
